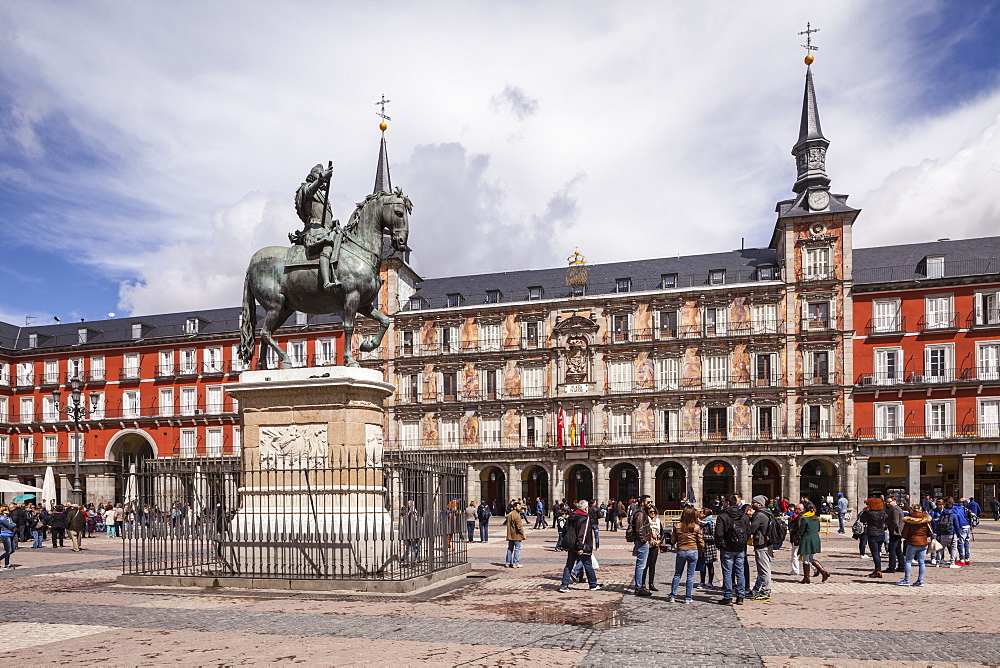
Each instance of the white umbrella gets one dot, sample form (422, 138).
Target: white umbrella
(131, 488)
(11, 486)
(48, 489)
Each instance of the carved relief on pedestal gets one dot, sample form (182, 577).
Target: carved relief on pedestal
(374, 445)
(293, 446)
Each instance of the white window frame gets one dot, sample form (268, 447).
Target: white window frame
(213, 441)
(621, 376)
(670, 424)
(533, 382)
(809, 371)
(189, 361)
(130, 366)
(886, 315)
(934, 266)
(938, 311)
(50, 372)
(298, 351)
(621, 427)
(774, 380)
(237, 439)
(536, 341)
(188, 443)
(212, 359)
(81, 336)
(75, 368)
(948, 373)
(4, 410)
(988, 417)
(719, 318)
(49, 409)
(490, 431)
(940, 418)
(668, 373)
(50, 447)
(26, 410)
(215, 400)
(537, 426)
(326, 351)
(131, 404)
(4, 448)
(136, 331)
(191, 326)
(988, 360)
(25, 374)
(715, 371)
(884, 375)
(888, 420)
(189, 401)
(4, 373)
(825, 415)
(237, 365)
(987, 307)
(450, 433)
(97, 405)
(166, 362)
(26, 449)
(816, 263)
(765, 318)
(97, 367)
(410, 433)
(490, 337)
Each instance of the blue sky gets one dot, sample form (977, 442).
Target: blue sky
(147, 149)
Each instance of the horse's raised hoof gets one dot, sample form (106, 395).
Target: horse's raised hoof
(352, 363)
(367, 346)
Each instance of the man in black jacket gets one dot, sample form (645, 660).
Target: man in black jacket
(732, 530)
(578, 541)
(484, 521)
(19, 517)
(895, 526)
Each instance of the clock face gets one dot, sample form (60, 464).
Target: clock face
(818, 200)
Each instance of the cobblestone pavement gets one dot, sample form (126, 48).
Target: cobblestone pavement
(63, 607)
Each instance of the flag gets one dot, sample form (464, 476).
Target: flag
(583, 428)
(572, 429)
(560, 428)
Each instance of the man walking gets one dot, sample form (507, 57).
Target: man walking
(894, 524)
(841, 510)
(484, 521)
(515, 535)
(763, 553)
(732, 532)
(76, 522)
(642, 536)
(540, 522)
(578, 541)
(471, 515)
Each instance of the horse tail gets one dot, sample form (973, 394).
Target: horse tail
(248, 322)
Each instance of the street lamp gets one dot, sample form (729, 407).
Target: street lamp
(940, 467)
(989, 466)
(76, 412)
(887, 469)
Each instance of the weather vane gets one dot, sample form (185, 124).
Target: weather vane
(381, 114)
(808, 46)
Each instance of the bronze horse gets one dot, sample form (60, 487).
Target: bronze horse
(284, 280)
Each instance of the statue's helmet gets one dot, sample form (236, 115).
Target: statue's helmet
(315, 173)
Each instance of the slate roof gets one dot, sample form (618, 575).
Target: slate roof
(119, 330)
(905, 262)
(691, 270)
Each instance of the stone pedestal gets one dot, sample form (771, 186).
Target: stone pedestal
(312, 494)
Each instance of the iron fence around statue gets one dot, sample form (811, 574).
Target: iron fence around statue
(396, 518)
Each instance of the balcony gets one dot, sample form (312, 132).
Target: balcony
(524, 392)
(937, 323)
(188, 369)
(130, 374)
(50, 378)
(830, 378)
(166, 370)
(733, 382)
(219, 369)
(984, 318)
(886, 326)
(817, 324)
(636, 438)
(930, 432)
(970, 375)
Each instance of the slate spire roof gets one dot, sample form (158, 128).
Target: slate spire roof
(383, 184)
(810, 149)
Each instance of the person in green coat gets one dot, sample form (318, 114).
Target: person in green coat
(809, 544)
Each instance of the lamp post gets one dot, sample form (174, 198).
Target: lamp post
(76, 412)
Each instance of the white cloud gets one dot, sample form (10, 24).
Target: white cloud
(520, 131)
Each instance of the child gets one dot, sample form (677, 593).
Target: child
(706, 560)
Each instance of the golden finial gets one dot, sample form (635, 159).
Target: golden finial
(808, 46)
(576, 258)
(381, 103)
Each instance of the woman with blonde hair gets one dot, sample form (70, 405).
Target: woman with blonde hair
(689, 540)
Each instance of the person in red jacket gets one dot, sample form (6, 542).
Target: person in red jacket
(578, 541)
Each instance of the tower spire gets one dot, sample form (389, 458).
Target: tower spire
(383, 184)
(810, 149)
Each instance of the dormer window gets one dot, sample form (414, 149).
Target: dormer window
(191, 326)
(765, 273)
(935, 266)
(535, 293)
(301, 319)
(454, 300)
(81, 336)
(136, 331)
(668, 281)
(33, 340)
(577, 290)
(623, 285)
(492, 296)
(416, 303)
(717, 277)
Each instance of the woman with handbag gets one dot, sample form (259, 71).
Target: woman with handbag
(690, 541)
(657, 530)
(918, 536)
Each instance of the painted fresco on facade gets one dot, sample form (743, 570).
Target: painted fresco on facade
(511, 427)
(739, 314)
(691, 368)
(470, 382)
(643, 322)
(645, 422)
(645, 372)
(429, 378)
(689, 319)
(742, 420)
(691, 419)
(512, 379)
(740, 364)
(470, 428)
(470, 334)
(430, 430)
(428, 335)
(511, 331)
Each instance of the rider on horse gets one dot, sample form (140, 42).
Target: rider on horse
(312, 204)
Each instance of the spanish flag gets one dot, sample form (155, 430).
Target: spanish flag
(572, 429)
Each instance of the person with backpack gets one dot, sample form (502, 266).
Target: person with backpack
(762, 532)
(963, 533)
(945, 526)
(578, 541)
(560, 523)
(484, 521)
(732, 532)
(841, 510)
(875, 520)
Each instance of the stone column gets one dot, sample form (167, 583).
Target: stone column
(790, 482)
(472, 486)
(968, 476)
(65, 488)
(743, 481)
(556, 483)
(861, 493)
(513, 483)
(601, 483)
(101, 488)
(693, 480)
(913, 477)
(647, 479)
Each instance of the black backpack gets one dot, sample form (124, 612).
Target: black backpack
(737, 533)
(776, 533)
(484, 513)
(946, 523)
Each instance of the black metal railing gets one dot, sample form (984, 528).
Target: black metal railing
(707, 382)
(989, 317)
(820, 378)
(886, 326)
(952, 268)
(348, 516)
(930, 431)
(981, 374)
(944, 321)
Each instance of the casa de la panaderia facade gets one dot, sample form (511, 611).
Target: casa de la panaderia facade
(755, 371)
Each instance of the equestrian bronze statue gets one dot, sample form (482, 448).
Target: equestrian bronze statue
(328, 269)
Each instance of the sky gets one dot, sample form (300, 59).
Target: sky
(148, 149)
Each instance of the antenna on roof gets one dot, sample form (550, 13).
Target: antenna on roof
(28, 319)
(56, 318)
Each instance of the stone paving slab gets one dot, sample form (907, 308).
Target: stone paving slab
(21, 635)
